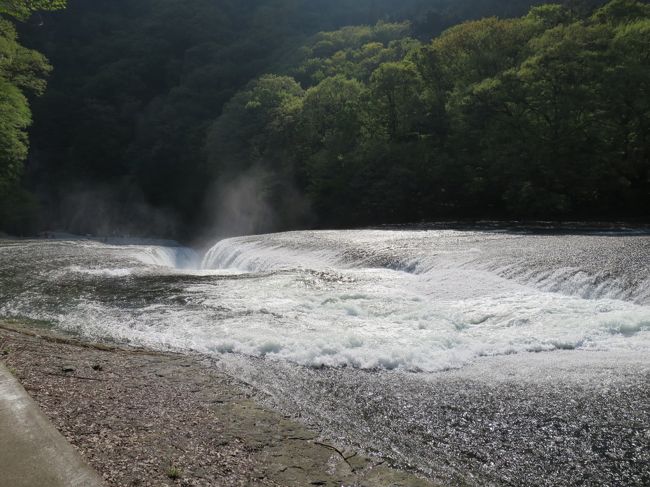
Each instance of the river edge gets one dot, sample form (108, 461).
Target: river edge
(146, 418)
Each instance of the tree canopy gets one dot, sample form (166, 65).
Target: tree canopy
(362, 111)
(22, 73)
(22, 9)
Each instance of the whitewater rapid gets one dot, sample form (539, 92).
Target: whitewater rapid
(368, 299)
(476, 357)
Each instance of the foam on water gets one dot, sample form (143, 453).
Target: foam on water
(377, 325)
(368, 299)
(99, 271)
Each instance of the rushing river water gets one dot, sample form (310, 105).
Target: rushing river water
(430, 338)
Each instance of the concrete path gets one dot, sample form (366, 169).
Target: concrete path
(32, 452)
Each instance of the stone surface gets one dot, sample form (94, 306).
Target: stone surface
(32, 452)
(145, 413)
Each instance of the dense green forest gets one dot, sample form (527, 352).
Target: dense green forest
(179, 118)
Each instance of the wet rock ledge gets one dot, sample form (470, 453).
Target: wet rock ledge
(142, 418)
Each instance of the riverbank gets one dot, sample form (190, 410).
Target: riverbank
(146, 418)
(142, 418)
(32, 451)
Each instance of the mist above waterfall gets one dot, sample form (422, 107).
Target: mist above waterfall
(106, 210)
(251, 203)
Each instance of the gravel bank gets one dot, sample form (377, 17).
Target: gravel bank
(140, 418)
(152, 419)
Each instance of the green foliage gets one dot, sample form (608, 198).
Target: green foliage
(353, 51)
(331, 126)
(550, 15)
(622, 11)
(15, 116)
(139, 85)
(173, 472)
(574, 110)
(254, 125)
(473, 51)
(22, 9)
(398, 107)
(376, 112)
(21, 72)
(544, 116)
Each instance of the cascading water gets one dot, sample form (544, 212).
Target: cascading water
(171, 257)
(389, 311)
(415, 300)
(565, 267)
(436, 299)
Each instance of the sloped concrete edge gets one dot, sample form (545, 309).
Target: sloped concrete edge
(32, 452)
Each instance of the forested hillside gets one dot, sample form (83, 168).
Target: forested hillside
(22, 73)
(174, 117)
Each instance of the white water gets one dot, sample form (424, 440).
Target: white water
(388, 299)
(426, 300)
(405, 300)
(426, 252)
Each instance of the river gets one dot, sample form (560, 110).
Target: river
(489, 356)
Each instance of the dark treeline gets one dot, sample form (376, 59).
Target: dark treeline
(169, 117)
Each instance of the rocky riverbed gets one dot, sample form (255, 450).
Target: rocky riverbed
(142, 418)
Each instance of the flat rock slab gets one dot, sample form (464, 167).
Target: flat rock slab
(150, 419)
(32, 451)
